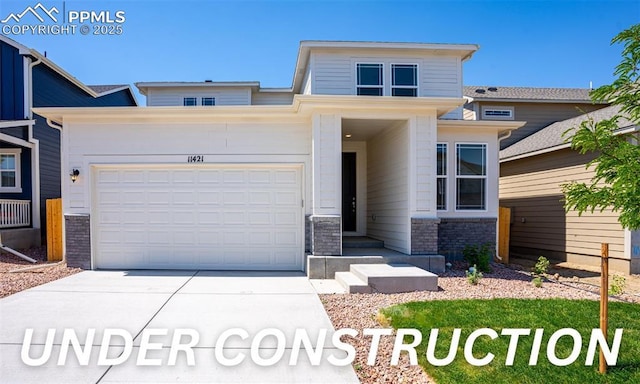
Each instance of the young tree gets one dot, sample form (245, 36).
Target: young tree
(616, 182)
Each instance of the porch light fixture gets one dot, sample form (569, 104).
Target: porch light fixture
(348, 135)
(74, 175)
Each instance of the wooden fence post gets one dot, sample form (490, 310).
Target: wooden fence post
(54, 229)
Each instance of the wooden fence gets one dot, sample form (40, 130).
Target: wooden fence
(54, 229)
(504, 230)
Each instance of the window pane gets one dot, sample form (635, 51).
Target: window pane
(190, 101)
(441, 193)
(208, 101)
(370, 91)
(369, 74)
(412, 92)
(405, 75)
(441, 156)
(7, 179)
(471, 159)
(470, 194)
(8, 161)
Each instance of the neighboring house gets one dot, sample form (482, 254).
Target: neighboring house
(531, 173)
(539, 107)
(369, 140)
(29, 148)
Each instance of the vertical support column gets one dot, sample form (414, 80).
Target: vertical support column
(78, 240)
(423, 136)
(326, 221)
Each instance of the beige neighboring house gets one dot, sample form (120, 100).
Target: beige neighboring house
(539, 107)
(531, 173)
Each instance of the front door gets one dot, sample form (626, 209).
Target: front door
(349, 192)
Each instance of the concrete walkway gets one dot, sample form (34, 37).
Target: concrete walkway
(161, 305)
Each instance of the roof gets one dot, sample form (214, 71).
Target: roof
(107, 87)
(551, 137)
(527, 94)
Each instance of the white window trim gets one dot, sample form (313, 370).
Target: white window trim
(381, 86)
(485, 177)
(416, 87)
(486, 108)
(445, 177)
(16, 152)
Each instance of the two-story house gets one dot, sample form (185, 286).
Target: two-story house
(29, 148)
(369, 140)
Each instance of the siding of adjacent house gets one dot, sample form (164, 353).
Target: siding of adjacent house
(50, 89)
(537, 115)
(11, 83)
(174, 96)
(540, 226)
(334, 73)
(387, 189)
(272, 98)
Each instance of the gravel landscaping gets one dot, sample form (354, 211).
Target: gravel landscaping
(11, 283)
(359, 311)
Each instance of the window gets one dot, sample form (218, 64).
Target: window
(10, 170)
(190, 101)
(441, 168)
(497, 113)
(471, 176)
(208, 101)
(369, 79)
(404, 80)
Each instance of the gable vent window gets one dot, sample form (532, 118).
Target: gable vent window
(190, 101)
(404, 80)
(497, 113)
(208, 101)
(369, 81)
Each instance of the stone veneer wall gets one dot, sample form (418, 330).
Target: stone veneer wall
(78, 241)
(424, 236)
(326, 235)
(454, 234)
(307, 234)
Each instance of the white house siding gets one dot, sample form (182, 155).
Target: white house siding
(171, 143)
(334, 73)
(272, 98)
(327, 162)
(174, 96)
(388, 187)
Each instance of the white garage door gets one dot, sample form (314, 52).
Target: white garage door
(210, 217)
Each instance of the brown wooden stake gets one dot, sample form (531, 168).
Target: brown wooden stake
(604, 300)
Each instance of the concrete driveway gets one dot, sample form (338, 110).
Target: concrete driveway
(179, 317)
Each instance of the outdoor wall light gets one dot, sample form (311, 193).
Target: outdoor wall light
(74, 175)
(348, 135)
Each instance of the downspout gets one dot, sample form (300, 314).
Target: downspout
(500, 138)
(35, 152)
(64, 256)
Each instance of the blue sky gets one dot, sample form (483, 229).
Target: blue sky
(522, 43)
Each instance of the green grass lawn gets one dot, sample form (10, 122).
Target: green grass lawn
(551, 315)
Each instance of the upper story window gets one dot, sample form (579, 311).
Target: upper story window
(369, 81)
(10, 170)
(471, 176)
(497, 113)
(208, 101)
(441, 168)
(404, 80)
(190, 101)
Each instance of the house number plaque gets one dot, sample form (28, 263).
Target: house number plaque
(195, 159)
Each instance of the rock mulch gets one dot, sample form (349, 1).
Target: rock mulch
(11, 283)
(359, 311)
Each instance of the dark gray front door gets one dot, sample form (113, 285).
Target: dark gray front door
(349, 192)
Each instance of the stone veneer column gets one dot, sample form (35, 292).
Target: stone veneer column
(326, 236)
(424, 236)
(78, 241)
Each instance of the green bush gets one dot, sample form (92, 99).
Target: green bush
(473, 275)
(617, 285)
(478, 256)
(541, 267)
(537, 281)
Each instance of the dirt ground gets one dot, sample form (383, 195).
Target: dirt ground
(579, 273)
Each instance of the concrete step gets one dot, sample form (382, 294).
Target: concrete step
(361, 242)
(352, 283)
(394, 278)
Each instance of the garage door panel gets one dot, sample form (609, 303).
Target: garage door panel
(237, 217)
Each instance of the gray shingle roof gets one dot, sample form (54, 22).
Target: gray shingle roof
(551, 135)
(106, 87)
(482, 92)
